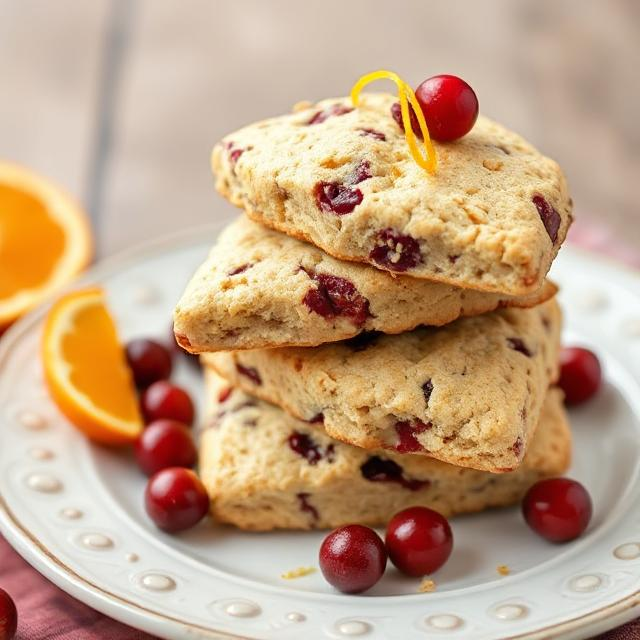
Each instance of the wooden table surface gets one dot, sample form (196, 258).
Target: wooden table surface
(121, 100)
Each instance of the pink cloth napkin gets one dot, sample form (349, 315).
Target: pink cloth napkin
(47, 613)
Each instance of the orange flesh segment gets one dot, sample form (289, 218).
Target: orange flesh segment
(31, 241)
(97, 365)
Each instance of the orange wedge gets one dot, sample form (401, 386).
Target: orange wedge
(86, 369)
(44, 241)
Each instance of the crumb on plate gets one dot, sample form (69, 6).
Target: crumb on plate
(300, 572)
(427, 586)
(503, 570)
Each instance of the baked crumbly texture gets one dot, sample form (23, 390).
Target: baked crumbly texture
(492, 217)
(266, 470)
(469, 393)
(260, 289)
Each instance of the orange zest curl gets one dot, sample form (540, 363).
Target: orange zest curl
(428, 160)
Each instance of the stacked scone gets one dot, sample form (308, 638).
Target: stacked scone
(377, 337)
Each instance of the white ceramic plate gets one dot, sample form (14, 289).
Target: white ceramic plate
(75, 511)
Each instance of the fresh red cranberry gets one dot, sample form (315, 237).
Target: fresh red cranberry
(329, 112)
(335, 297)
(407, 430)
(149, 361)
(372, 133)
(165, 400)
(419, 541)
(549, 216)
(450, 107)
(559, 509)
(306, 506)
(396, 114)
(580, 374)
(352, 558)
(518, 345)
(249, 372)
(304, 445)
(165, 443)
(377, 469)
(8, 616)
(340, 199)
(175, 499)
(395, 251)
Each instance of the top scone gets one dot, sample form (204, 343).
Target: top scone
(492, 217)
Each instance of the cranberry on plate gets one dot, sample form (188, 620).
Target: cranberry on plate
(165, 443)
(580, 374)
(165, 400)
(8, 616)
(352, 558)
(450, 107)
(559, 509)
(149, 361)
(175, 499)
(419, 541)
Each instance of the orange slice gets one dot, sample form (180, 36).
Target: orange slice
(86, 369)
(44, 241)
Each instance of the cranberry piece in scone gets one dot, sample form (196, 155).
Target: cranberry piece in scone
(377, 469)
(407, 431)
(304, 445)
(372, 133)
(518, 345)
(396, 114)
(329, 112)
(395, 251)
(334, 297)
(549, 216)
(337, 198)
(249, 372)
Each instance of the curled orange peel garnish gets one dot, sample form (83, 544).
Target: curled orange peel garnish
(427, 161)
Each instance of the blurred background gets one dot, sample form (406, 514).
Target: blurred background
(120, 101)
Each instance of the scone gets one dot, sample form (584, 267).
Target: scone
(492, 217)
(265, 470)
(260, 288)
(469, 393)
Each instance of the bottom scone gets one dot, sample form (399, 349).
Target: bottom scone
(265, 470)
